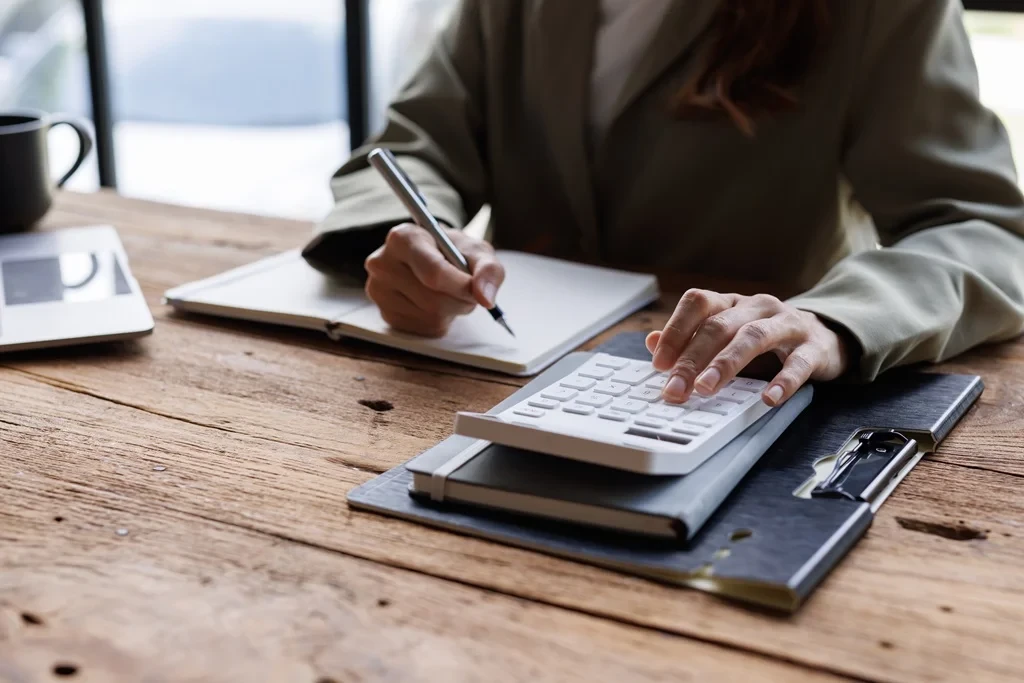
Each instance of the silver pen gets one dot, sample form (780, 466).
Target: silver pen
(407, 192)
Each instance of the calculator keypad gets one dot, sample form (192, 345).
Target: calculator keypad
(612, 388)
(594, 400)
(635, 374)
(621, 395)
(559, 394)
(578, 383)
(578, 409)
(611, 362)
(545, 403)
(628, 405)
(646, 394)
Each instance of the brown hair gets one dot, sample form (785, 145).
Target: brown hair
(760, 52)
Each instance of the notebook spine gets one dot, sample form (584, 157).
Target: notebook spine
(956, 411)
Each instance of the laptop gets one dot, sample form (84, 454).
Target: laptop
(65, 287)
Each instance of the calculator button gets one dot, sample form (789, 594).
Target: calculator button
(596, 373)
(719, 407)
(612, 415)
(529, 412)
(577, 409)
(578, 383)
(751, 385)
(688, 429)
(693, 403)
(733, 395)
(611, 362)
(611, 388)
(644, 394)
(595, 400)
(665, 412)
(699, 417)
(648, 422)
(546, 404)
(629, 406)
(559, 394)
(657, 382)
(635, 374)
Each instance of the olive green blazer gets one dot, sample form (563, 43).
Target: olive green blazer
(889, 198)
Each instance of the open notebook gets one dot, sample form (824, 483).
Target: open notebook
(553, 306)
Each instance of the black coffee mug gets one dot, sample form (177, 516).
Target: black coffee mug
(26, 188)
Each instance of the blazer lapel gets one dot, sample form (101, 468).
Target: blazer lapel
(559, 59)
(684, 24)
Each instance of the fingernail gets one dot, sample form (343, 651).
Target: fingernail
(708, 381)
(490, 291)
(675, 390)
(650, 342)
(774, 394)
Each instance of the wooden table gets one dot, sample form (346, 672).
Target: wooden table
(174, 509)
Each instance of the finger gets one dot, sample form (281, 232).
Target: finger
(389, 299)
(753, 339)
(691, 370)
(488, 273)
(794, 374)
(400, 313)
(415, 247)
(397, 275)
(693, 308)
(652, 340)
(417, 326)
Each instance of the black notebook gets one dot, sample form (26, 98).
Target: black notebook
(668, 506)
(783, 527)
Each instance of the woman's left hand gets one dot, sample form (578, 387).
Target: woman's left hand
(711, 337)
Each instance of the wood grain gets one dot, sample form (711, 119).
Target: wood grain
(262, 434)
(141, 593)
(879, 616)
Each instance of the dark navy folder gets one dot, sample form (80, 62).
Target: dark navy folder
(764, 544)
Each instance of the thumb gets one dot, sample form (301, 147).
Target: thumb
(488, 273)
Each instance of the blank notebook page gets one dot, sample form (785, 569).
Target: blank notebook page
(548, 303)
(284, 286)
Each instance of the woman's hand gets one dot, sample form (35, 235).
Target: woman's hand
(418, 291)
(711, 337)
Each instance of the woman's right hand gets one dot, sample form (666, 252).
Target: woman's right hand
(418, 291)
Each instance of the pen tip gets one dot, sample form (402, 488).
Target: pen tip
(505, 325)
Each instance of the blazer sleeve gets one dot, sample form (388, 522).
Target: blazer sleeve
(934, 168)
(434, 127)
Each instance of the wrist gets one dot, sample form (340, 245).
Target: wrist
(848, 349)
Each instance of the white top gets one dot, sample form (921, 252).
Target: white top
(625, 31)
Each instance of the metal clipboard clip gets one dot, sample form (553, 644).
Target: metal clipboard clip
(867, 466)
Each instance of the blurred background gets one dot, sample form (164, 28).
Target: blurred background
(243, 104)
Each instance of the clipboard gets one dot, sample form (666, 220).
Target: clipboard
(787, 524)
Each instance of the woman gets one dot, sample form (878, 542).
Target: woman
(752, 139)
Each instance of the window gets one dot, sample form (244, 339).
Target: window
(998, 42)
(243, 104)
(43, 67)
(401, 32)
(229, 104)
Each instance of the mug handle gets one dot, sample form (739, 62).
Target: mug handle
(84, 143)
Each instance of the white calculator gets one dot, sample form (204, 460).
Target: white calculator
(609, 412)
